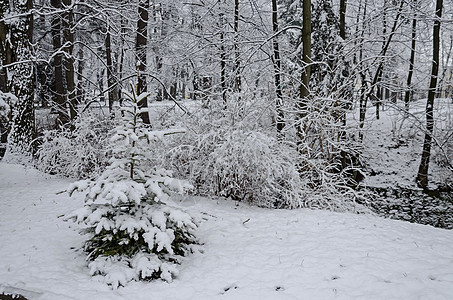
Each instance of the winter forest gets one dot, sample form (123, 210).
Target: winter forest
(240, 149)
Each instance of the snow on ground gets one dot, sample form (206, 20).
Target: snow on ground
(249, 253)
(394, 143)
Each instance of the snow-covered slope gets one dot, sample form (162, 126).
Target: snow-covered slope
(249, 253)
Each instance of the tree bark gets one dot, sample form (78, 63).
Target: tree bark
(68, 38)
(4, 45)
(362, 75)
(22, 134)
(80, 66)
(422, 176)
(409, 91)
(112, 94)
(59, 92)
(140, 49)
(280, 123)
(237, 62)
(343, 4)
(223, 84)
(304, 90)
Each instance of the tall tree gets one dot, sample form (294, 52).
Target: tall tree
(140, 49)
(59, 91)
(68, 41)
(408, 93)
(277, 70)
(304, 90)
(237, 62)
(20, 32)
(4, 47)
(110, 70)
(343, 4)
(422, 176)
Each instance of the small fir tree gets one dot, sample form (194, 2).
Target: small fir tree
(135, 233)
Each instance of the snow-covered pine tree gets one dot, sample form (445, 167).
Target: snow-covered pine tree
(135, 233)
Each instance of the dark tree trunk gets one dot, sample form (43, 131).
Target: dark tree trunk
(80, 66)
(59, 92)
(343, 4)
(407, 95)
(140, 49)
(363, 86)
(223, 60)
(237, 62)
(68, 38)
(21, 137)
(379, 78)
(110, 72)
(304, 90)
(277, 69)
(121, 60)
(4, 45)
(68, 42)
(422, 176)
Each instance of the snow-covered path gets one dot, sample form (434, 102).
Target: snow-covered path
(249, 253)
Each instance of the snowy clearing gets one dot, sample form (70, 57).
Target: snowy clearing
(249, 253)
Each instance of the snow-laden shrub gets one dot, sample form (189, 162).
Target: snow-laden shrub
(134, 233)
(252, 166)
(81, 153)
(244, 165)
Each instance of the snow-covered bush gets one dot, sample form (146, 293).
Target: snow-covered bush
(134, 232)
(81, 153)
(252, 166)
(241, 164)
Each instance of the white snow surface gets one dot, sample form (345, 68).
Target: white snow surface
(249, 253)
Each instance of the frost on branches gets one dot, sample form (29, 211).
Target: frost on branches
(135, 233)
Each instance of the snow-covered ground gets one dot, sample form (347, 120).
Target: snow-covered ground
(394, 144)
(249, 253)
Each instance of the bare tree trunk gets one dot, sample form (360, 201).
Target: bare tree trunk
(110, 75)
(60, 91)
(422, 176)
(363, 86)
(80, 65)
(343, 4)
(4, 45)
(379, 79)
(223, 60)
(22, 134)
(121, 60)
(277, 70)
(304, 90)
(68, 37)
(237, 62)
(409, 91)
(140, 49)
